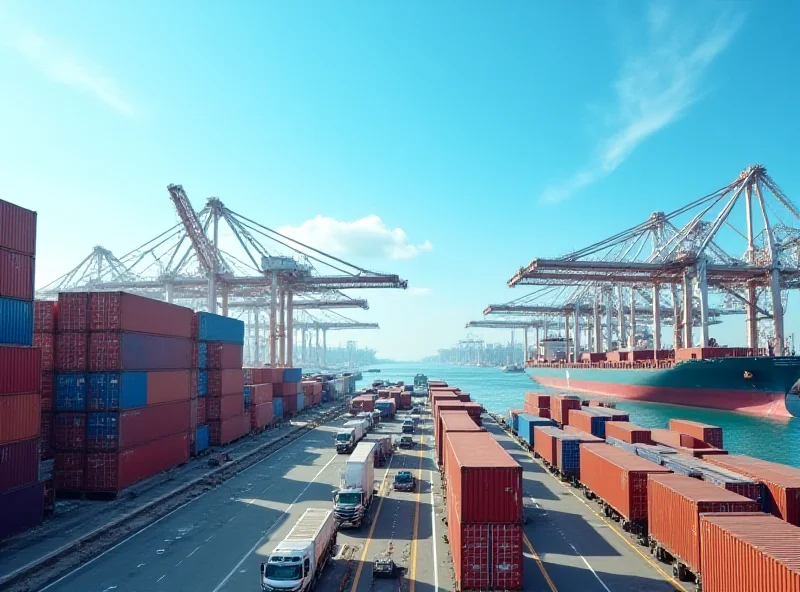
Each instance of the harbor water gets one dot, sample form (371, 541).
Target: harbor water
(497, 391)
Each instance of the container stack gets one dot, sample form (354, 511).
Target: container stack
(560, 406)
(537, 404)
(21, 490)
(220, 379)
(256, 380)
(45, 319)
(312, 392)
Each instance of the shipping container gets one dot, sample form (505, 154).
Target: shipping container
(121, 311)
(588, 422)
(19, 417)
(46, 434)
(228, 430)
(544, 442)
(463, 397)
(261, 393)
(111, 472)
(137, 351)
(674, 506)
(16, 275)
(525, 424)
(711, 435)
(628, 432)
(71, 391)
(19, 464)
(201, 441)
(72, 352)
(618, 478)
(48, 393)
(581, 435)
(227, 356)
(69, 432)
(781, 483)
(560, 406)
(486, 481)
(218, 408)
(110, 391)
(568, 454)
(748, 553)
(301, 401)
(277, 408)
(202, 415)
(261, 416)
(70, 471)
(45, 316)
(451, 421)
(73, 311)
(21, 509)
(16, 322)
(17, 228)
(212, 327)
(46, 344)
(224, 382)
(405, 400)
(676, 439)
(611, 414)
(537, 400)
(20, 370)
(119, 430)
(292, 374)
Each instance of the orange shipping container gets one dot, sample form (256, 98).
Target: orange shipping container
(560, 406)
(674, 505)
(711, 435)
(537, 400)
(544, 442)
(584, 436)
(261, 393)
(676, 439)
(749, 553)
(19, 417)
(628, 432)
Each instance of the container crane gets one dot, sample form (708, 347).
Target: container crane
(511, 324)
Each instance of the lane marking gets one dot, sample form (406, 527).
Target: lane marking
(360, 568)
(260, 541)
(416, 523)
(161, 578)
(590, 568)
(193, 552)
(539, 563)
(433, 530)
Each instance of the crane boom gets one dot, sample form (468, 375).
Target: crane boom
(207, 254)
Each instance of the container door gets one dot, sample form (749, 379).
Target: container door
(476, 557)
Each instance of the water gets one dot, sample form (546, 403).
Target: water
(774, 440)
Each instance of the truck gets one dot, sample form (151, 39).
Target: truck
(356, 487)
(408, 426)
(350, 434)
(404, 481)
(386, 408)
(367, 416)
(298, 560)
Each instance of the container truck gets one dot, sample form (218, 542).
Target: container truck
(386, 407)
(298, 560)
(367, 416)
(357, 486)
(349, 435)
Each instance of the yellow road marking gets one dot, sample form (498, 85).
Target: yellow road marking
(539, 563)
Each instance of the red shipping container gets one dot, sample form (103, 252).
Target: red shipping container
(46, 343)
(230, 356)
(289, 405)
(69, 431)
(70, 469)
(138, 351)
(452, 421)
(261, 393)
(700, 452)
(121, 311)
(674, 505)
(73, 311)
(202, 416)
(711, 435)
(308, 386)
(218, 408)
(16, 275)
(46, 435)
(225, 382)
(432, 384)
(272, 375)
(167, 386)
(19, 464)
(581, 420)
(748, 552)
(405, 400)
(542, 413)
(20, 369)
(537, 400)
(584, 437)
(782, 483)
(112, 472)
(627, 432)
(260, 416)
(193, 416)
(317, 399)
(72, 352)
(544, 443)
(560, 406)
(676, 439)
(19, 417)
(226, 431)
(445, 406)
(193, 389)
(17, 228)
(286, 389)
(48, 389)
(486, 481)
(618, 478)
(363, 402)
(45, 316)
(119, 430)
(308, 400)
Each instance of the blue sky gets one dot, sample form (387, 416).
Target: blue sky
(472, 137)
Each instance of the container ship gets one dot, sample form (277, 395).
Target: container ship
(712, 378)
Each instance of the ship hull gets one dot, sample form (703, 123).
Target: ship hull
(756, 386)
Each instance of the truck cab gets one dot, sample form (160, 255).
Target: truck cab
(356, 486)
(404, 481)
(345, 441)
(408, 426)
(287, 568)
(406, 442)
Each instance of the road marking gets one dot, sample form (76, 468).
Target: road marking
(161, 578)
(590, 568)
(539, 563)
(416, 525)
(433, 532)
(357, 577)
(260, 541)
(193, 552)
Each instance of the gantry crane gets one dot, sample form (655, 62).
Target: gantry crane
(324, 327)
(512, 324)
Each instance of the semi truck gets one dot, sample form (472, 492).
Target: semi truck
(298, 560)
(356, 487)
(351, 433)
(386, 408)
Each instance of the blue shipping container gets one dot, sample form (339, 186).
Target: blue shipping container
(16, 322)
(140, 351)
(109, 391)
(202, 383)
(102, 430)
(201, 439)
(277, 407)
(301, 402)
(324, 396)
(292, 374)
(525, 424)
(570, 454)
(71, 391)
(202, 354)
(211, 327)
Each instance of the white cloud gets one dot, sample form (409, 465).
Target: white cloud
(368, 237)
(415, 291)
(57, 64)
(653, 90)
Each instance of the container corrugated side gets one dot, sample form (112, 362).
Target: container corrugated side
(224, 382)
(16, 275)
(16, 322)
(561, 405)
(19, 417)
(72, 352)
(45, 316)
(121, 311)
(138, 351)
(261, 416)
(17, 228)
(749, 553)
(119, 430)
(69, 432)
(218, 408)
(544, 442)
(21, 509)
(71, 391)
(527, 422)
(451, 421)
(226, 431)
(628, 432)
(73, 311)
(20, 369)
(70, 471)
(537, 400)
(277, 408)
(46, 342)
(486, 481)
(674, 506)
(292, 374)
(261, 393)
(709, 434)
(201, 439)
(212, 327)
(46, 434)
(301, 401)
(19, 464)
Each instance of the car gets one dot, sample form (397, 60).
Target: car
(407, 442)
(404, 481)
(416, 411)
(408, 426)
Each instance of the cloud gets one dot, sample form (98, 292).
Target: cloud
(414, 291)
(57, 64)
(368, 237)
(654, 88)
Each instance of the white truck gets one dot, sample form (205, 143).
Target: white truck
(299, 559)
(350, 434)
(357, 486)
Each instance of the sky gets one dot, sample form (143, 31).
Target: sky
(449, 143)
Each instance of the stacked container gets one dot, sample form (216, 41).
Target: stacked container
(259, 393)
(451, 421)
(21, 491)
(526, 422)
(312, 391)
(711, 435)
(628, 432)
(560, 406)
(220, 378)
(537, 404)
(45, 319)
